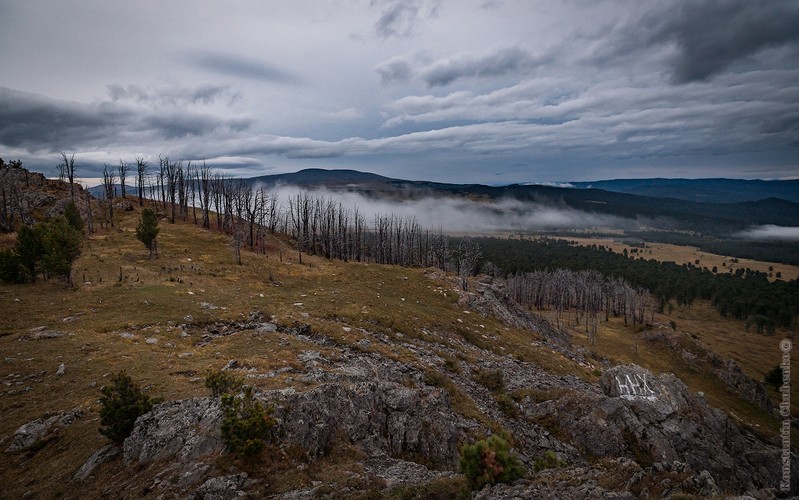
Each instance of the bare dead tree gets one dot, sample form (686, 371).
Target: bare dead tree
(205, 193)
(191, 173)
(123, 175)
(170, 173)
(141, 172)
(67, 168)
(89, 217)
(183, 199)
(108, 183)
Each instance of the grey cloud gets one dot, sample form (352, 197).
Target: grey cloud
(712, 35)
(241, 67)
(177, 125)
(395, 70)
(399, 18)
(500, 62)
(457, 214)
(173, 96)
(37, 123)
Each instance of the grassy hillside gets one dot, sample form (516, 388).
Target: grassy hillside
(131, 323)
(147, 317)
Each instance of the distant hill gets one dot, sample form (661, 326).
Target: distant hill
(712, 207)
(701, 190)
(322, 177)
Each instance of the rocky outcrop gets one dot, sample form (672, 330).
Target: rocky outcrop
(176, 430)
(748, 388)
(31, 196)
(379, 418)
(657, 419)
(489, 300)
(41, 430)
(99, 457)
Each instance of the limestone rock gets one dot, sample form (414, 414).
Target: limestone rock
(657, 419)
(102, 455)
(176, 430)
(221, 488)
(377, 417)
(124, 206)
(40, 429)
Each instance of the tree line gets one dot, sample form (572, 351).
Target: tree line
(583, 296)
(320, 225)
(744, 294)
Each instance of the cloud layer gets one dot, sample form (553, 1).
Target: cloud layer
(770, 232)
(467, 91)
(463, 215)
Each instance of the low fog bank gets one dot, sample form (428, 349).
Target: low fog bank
(770, 232)
(464, 215)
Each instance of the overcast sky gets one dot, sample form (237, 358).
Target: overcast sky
(490, 91)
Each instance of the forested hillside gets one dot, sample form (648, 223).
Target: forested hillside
(742, 294)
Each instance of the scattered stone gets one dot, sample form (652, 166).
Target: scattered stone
(124, 206)
(45, 334)
(126, 335)
(188, 318)
(221, 488)
(231, 365)
(151, 340)
(62, 369)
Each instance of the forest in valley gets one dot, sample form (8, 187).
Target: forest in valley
(743, 294)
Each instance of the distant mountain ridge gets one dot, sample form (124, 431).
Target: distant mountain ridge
(727, 206)
(701, 190)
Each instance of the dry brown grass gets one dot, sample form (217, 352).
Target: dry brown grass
(196, 276)
(665, 252)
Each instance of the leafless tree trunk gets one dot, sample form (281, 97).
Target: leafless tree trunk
(108, 182)
(67, 168)
(123, 176)
(141, 171)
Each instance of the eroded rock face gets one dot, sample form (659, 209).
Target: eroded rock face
(378, 418)
(181, 430)
(657, 419)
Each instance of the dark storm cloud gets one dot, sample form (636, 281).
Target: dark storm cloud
(241, 67)
(500, 62)
(36, 123)
(399, 18)
(712, 35)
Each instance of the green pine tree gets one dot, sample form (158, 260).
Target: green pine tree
(72, 214)
(147, 230)
(121, 404)
(30, 250)
(62, 245)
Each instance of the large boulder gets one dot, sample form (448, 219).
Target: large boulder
(376, 417)
(657, 419)
(40, 430)
(176, 430)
